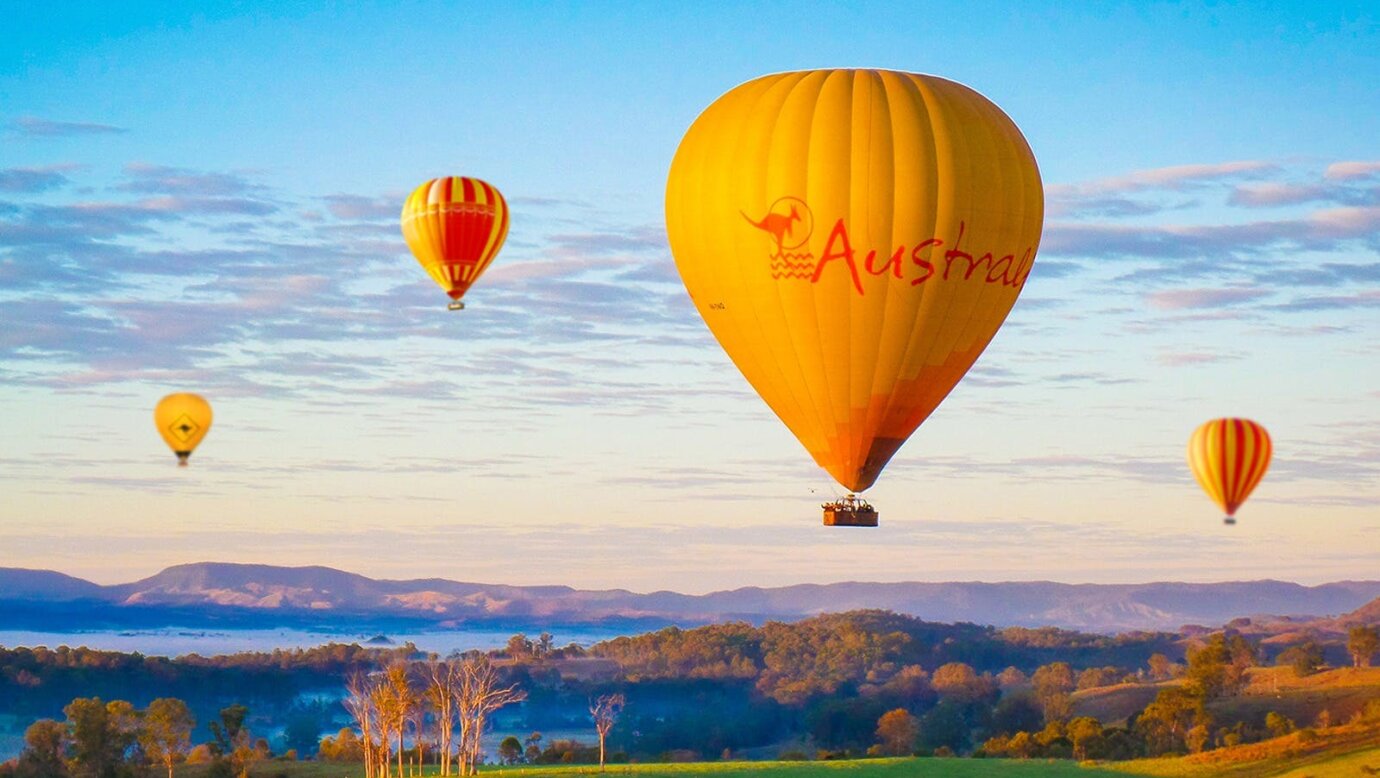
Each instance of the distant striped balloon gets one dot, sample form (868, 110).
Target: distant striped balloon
(455, 227)
(1229, 457)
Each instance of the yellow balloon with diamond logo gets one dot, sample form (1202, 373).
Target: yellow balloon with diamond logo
(183, 419)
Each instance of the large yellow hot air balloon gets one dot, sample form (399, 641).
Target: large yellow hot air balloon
(1229, 457)
(182, 419)
(854, 239)
(455, 227)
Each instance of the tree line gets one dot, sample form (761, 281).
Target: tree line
(100, 739)
(1033, 718)
(823, 683)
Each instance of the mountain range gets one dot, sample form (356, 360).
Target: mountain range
(261, 596)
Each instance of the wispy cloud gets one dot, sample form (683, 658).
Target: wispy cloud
(31, 180)
(160, 179)
(1176, 178)
(1369, 298)
(1276, 193)
(1320, 230)
(1345, 171)
(352, 207)
(1182, 299)
(35, 127)
(1192, 358)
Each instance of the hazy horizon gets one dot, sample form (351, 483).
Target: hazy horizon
(424, 575)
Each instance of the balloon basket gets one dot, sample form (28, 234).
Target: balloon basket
(851, 511)
(1230, 521)
(456, 306)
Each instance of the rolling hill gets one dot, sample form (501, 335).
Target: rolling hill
(270, 595)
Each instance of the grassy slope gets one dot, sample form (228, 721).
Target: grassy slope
(1112, 705)
(1342, 691)
(869, 768)
(1287, 755)
(1354, 764)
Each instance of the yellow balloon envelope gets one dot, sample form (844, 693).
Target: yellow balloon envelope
(455, 227)
(182, 419)
(1229, 457)
(854, 239)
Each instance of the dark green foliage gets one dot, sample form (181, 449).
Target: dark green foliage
(952, 724)
(845, 723)
(1219, 667)
(1164, 724)
(510, 750)
(45, 747)
(1363, 643)
(1015, 713)
(303, 734)
(102, 734)
(227, 731)
(1306, 658)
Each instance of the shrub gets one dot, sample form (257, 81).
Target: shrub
(1370, 713)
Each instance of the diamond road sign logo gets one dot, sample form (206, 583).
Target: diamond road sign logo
(183, 428)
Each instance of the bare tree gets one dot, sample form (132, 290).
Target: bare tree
(420, 709)
(605, 711)
(397, 701)
(364, 700)
(478, 696)
(442, 678)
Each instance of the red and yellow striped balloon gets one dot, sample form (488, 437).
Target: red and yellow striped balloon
(1229, 457)
(455, 227)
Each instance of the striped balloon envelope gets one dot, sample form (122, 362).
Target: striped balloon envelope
(455, 227)
(1229, 457)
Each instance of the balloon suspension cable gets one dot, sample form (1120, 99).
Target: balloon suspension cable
(456, 306)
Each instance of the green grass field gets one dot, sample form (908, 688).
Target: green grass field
(868, 768)
(863, 768)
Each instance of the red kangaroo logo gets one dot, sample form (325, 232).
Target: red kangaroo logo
(782, 225)
(778, 225)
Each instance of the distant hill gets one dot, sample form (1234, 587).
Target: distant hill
(1367, 615)
(266, 595)
(19, 584)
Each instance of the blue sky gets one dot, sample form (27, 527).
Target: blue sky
(207, 200)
